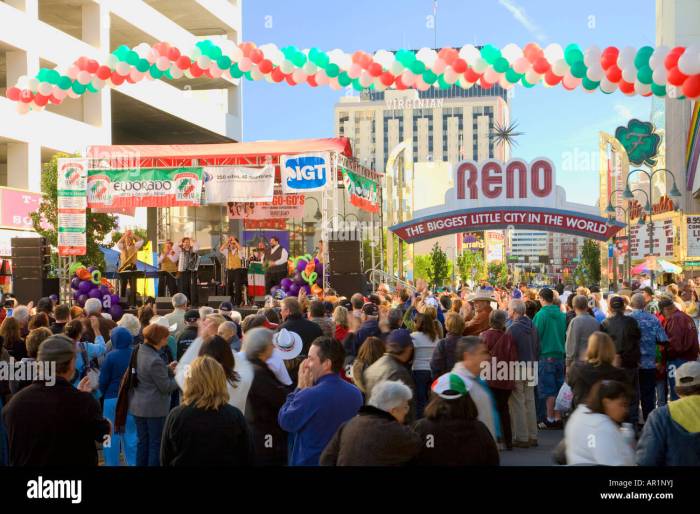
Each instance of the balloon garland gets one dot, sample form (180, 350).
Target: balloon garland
(306, 272)
(88, 283)
(660, 71)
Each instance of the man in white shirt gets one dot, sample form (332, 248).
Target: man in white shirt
(276, 259)
(187, 254)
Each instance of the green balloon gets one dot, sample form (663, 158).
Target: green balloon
(65, 82)
(168, 74)
(407, 57)
(658, 89)
(490, 54)
(313, 55)
(573, 54)
(442, 84)
(513, 76)
(526, 83)
(356, 85)
(202, 44)
(236, 72)
(91, 88)
(155, 72)
(429, 77)
(223, 62)
(588, 84)
(41, 76)
(248, 75)
(501, 65)
(132, 58)
(642, 58)
(53, 76)
(644, 74)
(299, 59)
(344, 79)
(417, 67)
(143, 65)
(332, 70)
(78, 88)
(578, 69)
(323, 61)
(215, 52)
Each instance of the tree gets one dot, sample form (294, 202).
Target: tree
(45, 219)
(590, 262)
(498, 273)
(438, 269)
(471, 266)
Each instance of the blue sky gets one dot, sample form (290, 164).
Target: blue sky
(558, 124)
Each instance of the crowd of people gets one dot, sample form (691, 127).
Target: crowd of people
(396, 377)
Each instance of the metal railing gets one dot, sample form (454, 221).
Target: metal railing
(377, 276)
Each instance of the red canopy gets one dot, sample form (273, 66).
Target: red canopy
(255, 152)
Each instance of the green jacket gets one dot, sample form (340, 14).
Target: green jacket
(550, 323)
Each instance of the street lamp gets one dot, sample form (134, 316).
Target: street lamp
(611, 209)
(674, 192)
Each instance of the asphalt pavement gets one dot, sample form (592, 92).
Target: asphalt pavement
(541, 455)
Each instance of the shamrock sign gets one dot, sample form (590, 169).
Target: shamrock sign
(640, 141)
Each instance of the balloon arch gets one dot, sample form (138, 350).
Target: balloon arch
(660, 71)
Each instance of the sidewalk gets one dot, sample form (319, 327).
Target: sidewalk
(538, 456)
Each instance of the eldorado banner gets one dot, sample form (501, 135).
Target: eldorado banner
(362, 191)
(281, 207)
(146, 187)
(223, 184)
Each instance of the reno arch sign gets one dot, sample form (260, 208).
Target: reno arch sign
(495, 195)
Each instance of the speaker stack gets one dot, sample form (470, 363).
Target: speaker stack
(346, 275)
(31, 260)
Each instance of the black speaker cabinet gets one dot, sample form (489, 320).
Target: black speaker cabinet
(164, 303)
(31, 289)
(347, 284)
(214, 301)
(345, 256)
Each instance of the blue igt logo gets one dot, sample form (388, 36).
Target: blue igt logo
(306, 172)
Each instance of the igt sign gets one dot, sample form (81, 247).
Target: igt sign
(516, 182)
(305, 172)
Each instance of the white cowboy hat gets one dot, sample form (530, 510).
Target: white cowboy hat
(485, 295)
(163, 322)
(287, 344)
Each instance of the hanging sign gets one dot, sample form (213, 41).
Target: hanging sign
(362, 191)
(223, 184)
(305, 172)
(72, 202)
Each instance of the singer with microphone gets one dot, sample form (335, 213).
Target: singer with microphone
(187, 265)
(276, 259)
(167, 271)
(235, 273)
(128, 247)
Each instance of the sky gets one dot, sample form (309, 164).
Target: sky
(561, 125)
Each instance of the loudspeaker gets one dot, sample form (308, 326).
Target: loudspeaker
(345, 256)
(28, 242)
(202, 294)
(31, 289)
(164, 302)
(30, 258)
(347, 284)
(215, 301)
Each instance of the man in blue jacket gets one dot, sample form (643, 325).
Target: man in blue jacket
(321, 403)
(671, 435)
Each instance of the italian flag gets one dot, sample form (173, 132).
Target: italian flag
(256, 280)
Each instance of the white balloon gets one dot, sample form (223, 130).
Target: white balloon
(469, 53)
(512, 52)
(23, 82)
(689, 62)
(553, 52)
(658, 57)
(532, 77)
(196, 53)
(379, 85)
(72, 72)
(176, 72)
(310, 68)
(480, 65)
(570, 81)
(521, 65)
(384, 58)
(396, 68)
(256, 74)
(629, 74)
(299, 76)
(365, 79)
(560, 67)
(22, 108)
(336, 55)
(152, 56)
(439, 66)
(642, 89)
(595, 73)
(33, 84)
(59, 93)
(451, 75)
(491, 76)
(626, 57)
(464, 83)
(286, 67)
(216, 72)
(202, 61)
(408, 78)
(122, 68)
(142, 49)
(236, 54)
(321, 78)
(163, 63)
(99, 83)
(608, 86)
(354, 71)
(659, 76)
(591, 56)
(45, 88)
(112, 61)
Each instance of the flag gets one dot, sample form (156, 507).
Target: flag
(256, 280)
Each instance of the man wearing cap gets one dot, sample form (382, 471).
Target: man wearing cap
(479, 322)
(650, 303)
(189, 334)
(369, 328)
(682, 339)
(55, 424)
(671, 435)
(225, 309)
(393, 365)
(626, 335)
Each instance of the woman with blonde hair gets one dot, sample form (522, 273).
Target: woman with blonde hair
(342, 326)
(205, 430)
(370, 352)
(598, 365)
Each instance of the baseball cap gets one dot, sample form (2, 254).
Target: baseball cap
(688, 374)
(370, 309)
(617, 302)
(226, 306)
(648, 290)
(191, 315)
(449, 386)
(399, 337)
(665, 302)
(517, 293)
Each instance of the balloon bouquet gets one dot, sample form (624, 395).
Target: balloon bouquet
(305, 272)
(88, 283)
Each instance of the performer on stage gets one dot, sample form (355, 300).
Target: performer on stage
(235, 273)
(167, 272)
(187, 265)
(318, 253)
(128, 247)
(276, 259)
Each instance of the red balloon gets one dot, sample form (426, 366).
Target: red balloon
(387, 78)
(81, 63)
(691, 87)
(183, 62)
(399, 83)
(541, 65)
(290, 80)
(672, 57)
(26, 96)
(130, 80)
(92, 66)
(265, 66)
(626, 87)
(613, 73)
(365, 61)
(103, 72)
(117, 79)
(277, 75)
(471, 75)
(675, 77)
(484, 84)
(256, 55)
(551, 79)
(356, 57)
(450, 56)
(173, 54)
(41, 100)
(442, 54)
(54, 100)
(13, 93)
(532, 52)
(375, 69)
(195, 70)
(609, 57)
(459, 65)
(163, 49)
(311, 80)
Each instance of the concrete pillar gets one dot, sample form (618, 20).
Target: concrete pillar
(97, 110)
(24, 166)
